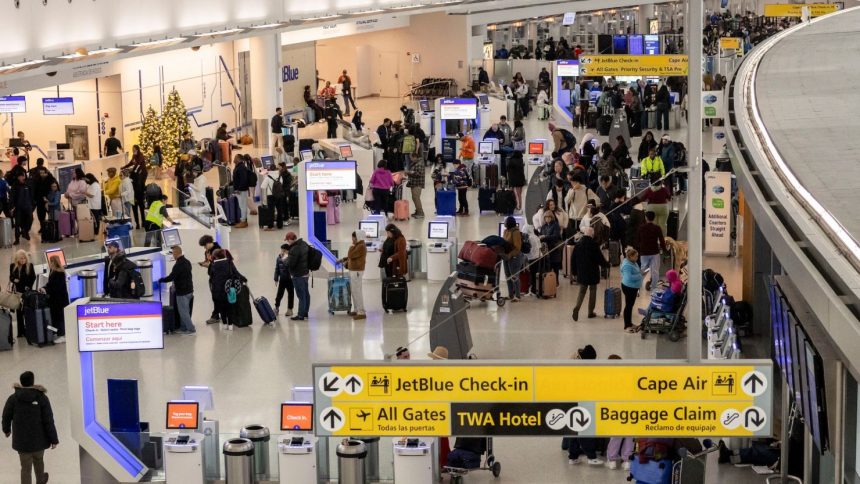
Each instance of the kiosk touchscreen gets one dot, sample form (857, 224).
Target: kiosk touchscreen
(297, 416)
(437, 231)
(287, 131)
(424, 105)
(268, 161)
(345, 151)
(370, 228)
(484, 100)
(535, 153)
(182, 415)
(485, 148)
(306, 155)
(56, 253)
(536, 149)
(171, 237)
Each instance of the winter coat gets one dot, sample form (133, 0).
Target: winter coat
(221, 271)
(28, 416)
(588, 259)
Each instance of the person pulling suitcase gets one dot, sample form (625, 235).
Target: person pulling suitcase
(183, 285)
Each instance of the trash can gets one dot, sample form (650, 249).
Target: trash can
(259, 435)
(144, 266)
(413, 257)
(350, 461)
(90, 282)
(371, 464)
(239, 461)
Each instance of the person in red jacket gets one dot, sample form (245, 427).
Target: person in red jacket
(651, 243)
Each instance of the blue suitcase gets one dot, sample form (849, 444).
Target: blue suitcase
(446, 202)
(651, 472)
(612, 302)
(123, 231)
(264, 309)
(339, 293)
(231, 209)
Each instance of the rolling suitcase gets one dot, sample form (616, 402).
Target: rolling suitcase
(672, 223)
(485, 199)
(86, 230)
(224, 149)
(591, 120)
(506, 202)
(446, 202)
(264, 310)
(604, 124)
(67, 223)
(5, 330)
(37, 318)
(614, 249)
(401, 210)
(339, 292)
(652, 119)
(6, 232)
(168, 320)
(395, 294)
(547, 284)
(491, 173)
(241, 311)
(612, 302)
(230, 205)
(266, 216)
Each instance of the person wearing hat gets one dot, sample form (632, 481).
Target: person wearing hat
(439, 353)
(29, 420)
(402, 353)
(355, 260)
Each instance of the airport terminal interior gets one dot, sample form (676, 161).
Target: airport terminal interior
(256, 124)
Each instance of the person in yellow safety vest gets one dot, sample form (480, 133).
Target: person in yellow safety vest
(154, 221)
(652, 164)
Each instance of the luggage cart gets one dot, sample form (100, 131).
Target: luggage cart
(489, 464)
(693, 469)
(670, 323)
(498, 293)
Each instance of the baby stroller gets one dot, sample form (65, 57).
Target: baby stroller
(661, 321)
(467, 456)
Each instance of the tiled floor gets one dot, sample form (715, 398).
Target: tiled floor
(252, 370)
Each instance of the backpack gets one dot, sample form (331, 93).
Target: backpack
(569, 139)
(741, 313)
(409, 145)
(601, 232)
(712, 280)
(135, 282)
(314, 259)
(277, 188)
(525, 244)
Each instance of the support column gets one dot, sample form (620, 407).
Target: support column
(644, 12)
(265, 85)
(694, 197)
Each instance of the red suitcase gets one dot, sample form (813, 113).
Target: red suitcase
(401, 210)
(478, 254)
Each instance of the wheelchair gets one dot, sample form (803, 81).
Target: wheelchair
(672, 323)
(489, 464)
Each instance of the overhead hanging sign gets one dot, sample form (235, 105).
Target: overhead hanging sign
(567, 399)
(13, 104)
(567, 68)
(120, 326)
(330, 175)
(633, 65)
(730, 43)
(795, 9)
(718, 213)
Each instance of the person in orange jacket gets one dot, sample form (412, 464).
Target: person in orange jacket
(467, 150)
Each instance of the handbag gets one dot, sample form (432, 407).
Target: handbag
(520, 145)
(10, 300)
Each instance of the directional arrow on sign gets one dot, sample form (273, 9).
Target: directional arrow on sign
(578, 419)
(330, 384)
(332, 419)
(352, 384)
(754, 419)
(754, 383)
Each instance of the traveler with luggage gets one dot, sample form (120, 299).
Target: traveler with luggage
(650, 245)
(94, 200)
(563, 140)
(183, 286)
(467, 150)
(41, 180)
(606, 164)
(156, 214)
(587, 150)
(392, 258)
(28, 418)
(52, 201)
(415, 182)
(58, 297)
(273, 198)
(513, 257)
(241, 188)
(22, 276)
(588, 259)
(461, 180)
(517, 176)
(331, 113)
(225, 282)
(297, 263)
(120, 279)
(577, 199)
(550, 236)
(355, 261)
(381, 182)
(284, 281)
(631, 281)
(23, 202)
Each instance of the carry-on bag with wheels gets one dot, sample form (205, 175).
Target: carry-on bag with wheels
(446, 202)
(5, 330)
(266, 216)
(672, 223)
(395, 294)
(264, 309)
(485, 199)
(401, 210)
(86, 230)
(339, 292)
(6, 232)
(37, 317)
(612, 302)
(505, 202)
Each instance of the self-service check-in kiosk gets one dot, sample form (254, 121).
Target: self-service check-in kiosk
(485, 114)
(425, 117)
(535, 155)
(413, 461)
(209, 428)
(183, 447)
(373, 227)
(441, 248)
(297, 459)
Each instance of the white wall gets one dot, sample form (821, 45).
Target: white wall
(441, 41)
(41, 129)
(303, 58)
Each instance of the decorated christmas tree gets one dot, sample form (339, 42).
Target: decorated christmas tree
(174, 121)
(150, 133)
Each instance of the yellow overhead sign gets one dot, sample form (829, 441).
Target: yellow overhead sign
(575, 399)
(795, 9)
(633, 65)
(730, 43)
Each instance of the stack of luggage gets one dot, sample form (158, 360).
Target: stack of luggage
(476, 271)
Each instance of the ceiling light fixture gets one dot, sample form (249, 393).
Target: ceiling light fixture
(322, 17)
(21, 65)
(268, 26)
(218, 33)
(153, 43)
(375, 10)
(403, 7)
(83, 53)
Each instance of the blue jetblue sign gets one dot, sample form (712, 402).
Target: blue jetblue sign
(289, 73)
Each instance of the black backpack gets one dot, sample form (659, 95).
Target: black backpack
(135, 283)
(569, 140)
(278, 188)
(314, 259)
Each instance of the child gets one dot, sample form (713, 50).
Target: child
(619, 448)
(127, 194)
(355, 262)
(462, 182)
(53, 203)
(284, 280)
(665, 300)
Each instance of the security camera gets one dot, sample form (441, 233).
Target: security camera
(51, 74)
(17, 3)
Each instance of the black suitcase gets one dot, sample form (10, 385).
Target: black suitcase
(485, 199)
(5, 330)
(468, 271)
(210, 198)
(604, 124)
(672, 224)
(506, 202)
(395, 293)
(37, 317)
(266, 215)
(241, 311)
(591, 120)
(306, 144)
(635, 125)
(293, 205)
(51, 232)
(168, 320)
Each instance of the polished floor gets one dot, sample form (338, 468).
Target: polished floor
(252, 370)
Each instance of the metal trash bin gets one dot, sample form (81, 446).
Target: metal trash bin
(413, 258)
(144, 266)
(350, 461)
(371, 464)
(238, 461)
(90, 282)
(259, 435)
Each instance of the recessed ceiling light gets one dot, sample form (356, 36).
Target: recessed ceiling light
(78, 55)
(403, 7)
(268, 26)
(153, 43)
(219, 32)
(323, 17)
(375, 10)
